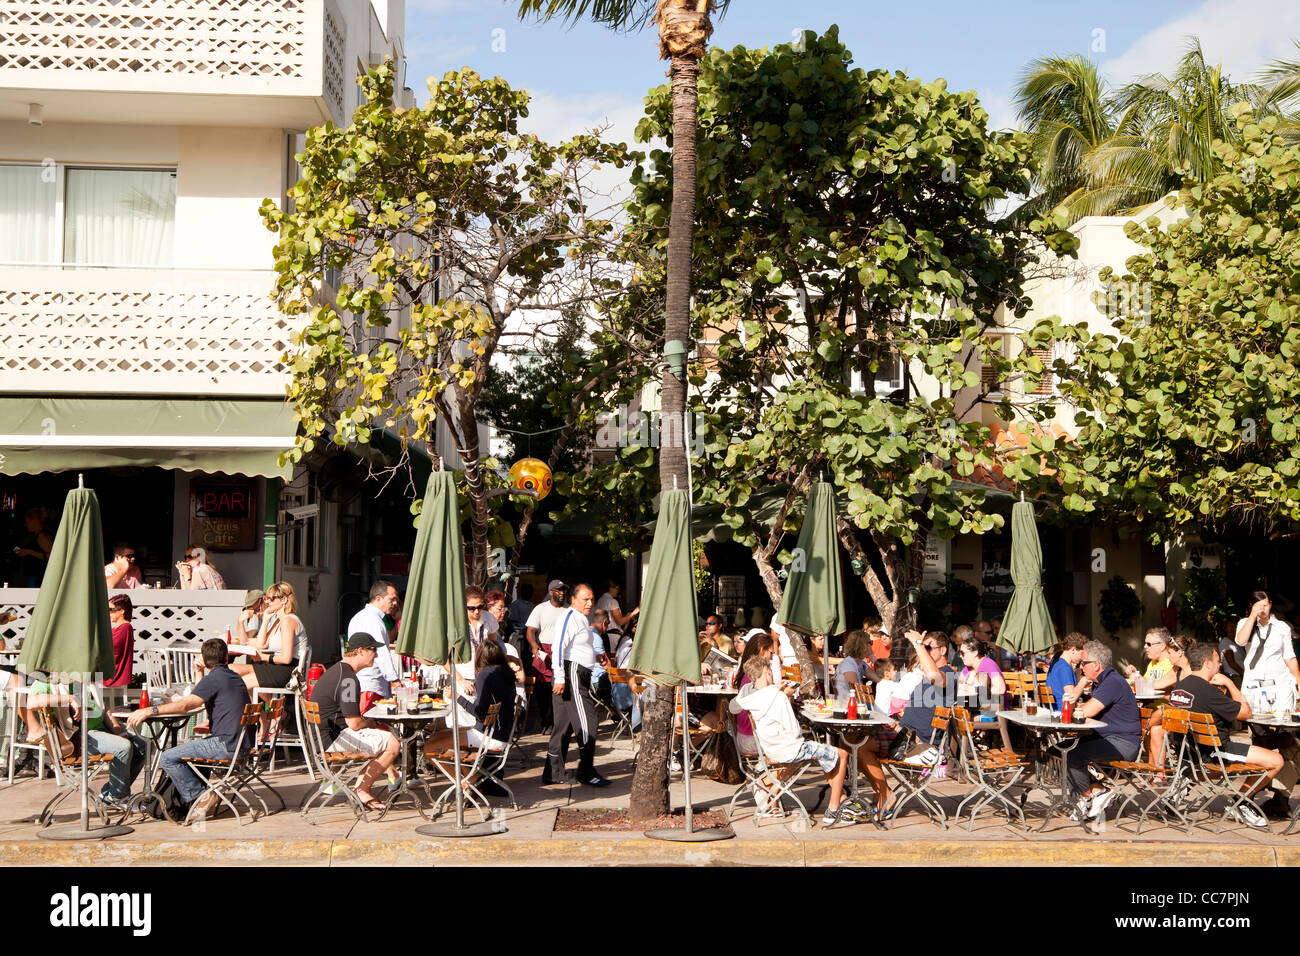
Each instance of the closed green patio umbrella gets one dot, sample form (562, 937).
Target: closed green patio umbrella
(667, 646)
(813, 602)
(1026, 625)
(435, 628)
(69, 633)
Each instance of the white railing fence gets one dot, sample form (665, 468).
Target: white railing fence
(162, 618)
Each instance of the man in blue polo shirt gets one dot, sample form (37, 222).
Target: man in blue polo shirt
(1113, 702)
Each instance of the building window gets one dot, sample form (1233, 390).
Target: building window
(60, 215)
(305, 544)
(989, 382)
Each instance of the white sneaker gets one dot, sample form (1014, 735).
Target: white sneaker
(1247, 813)
(330, 789)
(926, 758)
(1097, 807)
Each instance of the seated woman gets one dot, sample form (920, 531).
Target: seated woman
(1175, 654)
(281, 641)
(982, 679)
(494, 683)
(759, 644)
(853, 669)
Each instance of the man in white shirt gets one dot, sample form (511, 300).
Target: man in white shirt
(608, 602)
(538, 630)
(376, 678)
(575, 712)
(1271, 671)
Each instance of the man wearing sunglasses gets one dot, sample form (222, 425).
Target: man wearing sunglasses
(122, 571)
(938, 688)
(1113, 703)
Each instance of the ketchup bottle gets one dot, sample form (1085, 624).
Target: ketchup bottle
(144, 697)
(1067, 711)
(853, 705)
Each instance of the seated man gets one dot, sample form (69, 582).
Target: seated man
(1121, 739)
(938, 688)
(104, 735)
(225, 696)
(342, 728)
(1061, 678)
(1206, 691)
(778, 734)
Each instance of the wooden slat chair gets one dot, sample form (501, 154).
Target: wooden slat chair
(68, 772)
(701, 736)
(992, 774)
(336, 770)
(772, 784)
(623, 722)
(1159, 782)
(1220, 776)
(473, 761)
(232, 777)
(913, 779)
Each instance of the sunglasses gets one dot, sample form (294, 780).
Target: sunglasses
(473, 607)
(1150, 644)
(1084, 663)
(710, 623)
(130, 555)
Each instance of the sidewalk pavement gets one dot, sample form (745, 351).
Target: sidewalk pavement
(337, 839)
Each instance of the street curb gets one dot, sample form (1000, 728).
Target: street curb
(492, 851)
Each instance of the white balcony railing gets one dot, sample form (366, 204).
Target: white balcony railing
(127, 331)
(281, 48)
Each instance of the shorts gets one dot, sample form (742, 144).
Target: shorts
(1231, 750)
(474, 738)
(367, 740)
(826, 756)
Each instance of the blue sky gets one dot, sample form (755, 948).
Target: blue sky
(587, 75)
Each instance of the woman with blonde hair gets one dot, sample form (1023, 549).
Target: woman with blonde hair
(281, 641)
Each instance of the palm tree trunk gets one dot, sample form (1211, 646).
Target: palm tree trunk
(650, 780)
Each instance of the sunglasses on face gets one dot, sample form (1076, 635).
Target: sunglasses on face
(710, 623)
(1150, 644)
(473, 607)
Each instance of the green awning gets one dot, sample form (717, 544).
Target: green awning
(62, 433)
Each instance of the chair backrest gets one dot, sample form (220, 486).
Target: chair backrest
(792, 673)
(157, 669)
(182, 669)
(866, 694)
(1176, 720)
(1015, 683)
(1045, 696)
(963, 720)
(618, 675)
(941, 717)
(1204, 729)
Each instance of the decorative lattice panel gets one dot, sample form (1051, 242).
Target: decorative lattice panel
(332, 67)
(122, 329)
(223, 38)
(162, 618)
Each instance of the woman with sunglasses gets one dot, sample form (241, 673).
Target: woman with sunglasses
(281, 641)
(197, 572)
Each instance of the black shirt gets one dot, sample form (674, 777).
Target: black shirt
(1200, 696)
(225, 695)
(338, 694)
(493, 685)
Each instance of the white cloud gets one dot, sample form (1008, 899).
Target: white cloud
(1243, 35)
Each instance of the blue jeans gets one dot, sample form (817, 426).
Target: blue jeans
(1096, 749)
(626, 701)
(128, 753)
(189, 784)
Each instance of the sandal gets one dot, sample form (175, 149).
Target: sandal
(368, 801)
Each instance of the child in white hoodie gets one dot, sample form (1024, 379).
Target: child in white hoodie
(777, 730)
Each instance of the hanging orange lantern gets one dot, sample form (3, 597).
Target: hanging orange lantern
(530, 474)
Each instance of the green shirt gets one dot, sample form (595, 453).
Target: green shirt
(94, 713)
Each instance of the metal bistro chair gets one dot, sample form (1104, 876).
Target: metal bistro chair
(494, 762)
(335, 769)
(913, 779)
(701, 736)
(10, 703)
(68, 772)
(992, 772)
(240, 770)
(470, 776)
(1160, 782)
(622, 721)
(771, 784)
(294, 692)
(1220, 777)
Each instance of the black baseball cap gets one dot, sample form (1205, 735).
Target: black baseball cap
(360, 641)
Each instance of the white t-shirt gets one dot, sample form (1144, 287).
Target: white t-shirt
(607, 602)
(886, 691)
(907, 684)
(1277, 650)
(785, 648)
(543, 618)
(377, 677)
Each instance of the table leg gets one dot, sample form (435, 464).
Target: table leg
(1062, 799)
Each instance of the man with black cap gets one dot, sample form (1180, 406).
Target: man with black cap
(539, 631)
(342, 727)
(575, 711)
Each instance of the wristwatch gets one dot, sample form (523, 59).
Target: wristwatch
(154, 710)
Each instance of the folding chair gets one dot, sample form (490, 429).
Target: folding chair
(622, 721)
(11, 703)
(335, 769)
(701, 736)
(157, 671)
(1160, 782)
(68, 773)
(1219, 777)
(993, 773)
(493, 766)
(231, 777)
(296, 739)
(913, 779)
(771, 783)
(470, 776)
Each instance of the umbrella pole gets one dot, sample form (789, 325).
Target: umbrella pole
(459, 828)
(84, 832)
(689, 834)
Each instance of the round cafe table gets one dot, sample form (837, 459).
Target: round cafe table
(854, 806)
(406, 727)
(1064, 738)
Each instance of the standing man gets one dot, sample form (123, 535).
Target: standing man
(540, 630)
(609, 602)
(575, 712)
(1270, 671)
(377, 677)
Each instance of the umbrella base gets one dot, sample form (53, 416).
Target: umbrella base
(77, 833)
(468, 830)
(679, 835)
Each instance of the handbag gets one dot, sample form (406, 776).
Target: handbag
(66, 735)
(721, 762)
